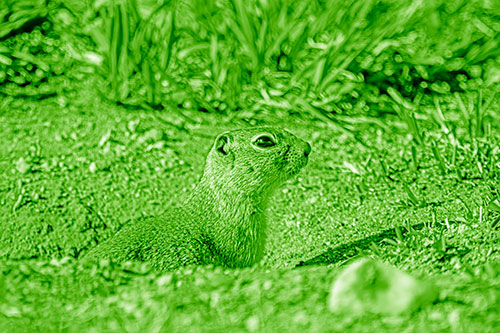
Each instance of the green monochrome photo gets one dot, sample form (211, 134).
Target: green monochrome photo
(249, 166)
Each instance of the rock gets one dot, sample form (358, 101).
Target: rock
(368, 286)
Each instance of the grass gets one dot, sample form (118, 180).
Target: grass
(72, 175)
(398, 100)
(340, 56)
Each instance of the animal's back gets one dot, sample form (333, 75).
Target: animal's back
(169, 240)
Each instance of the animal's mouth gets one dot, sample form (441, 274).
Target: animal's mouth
(294, 161)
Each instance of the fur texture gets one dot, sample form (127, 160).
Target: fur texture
(223, 221)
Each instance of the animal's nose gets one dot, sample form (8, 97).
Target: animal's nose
(307, 151)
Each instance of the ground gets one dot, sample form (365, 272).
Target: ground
(74, 170)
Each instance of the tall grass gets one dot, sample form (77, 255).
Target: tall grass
(339, 56)
(352, 27)
(132, 45)
(265, 29)
(152, 48)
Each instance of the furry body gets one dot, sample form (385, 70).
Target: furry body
(223, 221)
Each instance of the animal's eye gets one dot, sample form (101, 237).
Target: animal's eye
(264, 141)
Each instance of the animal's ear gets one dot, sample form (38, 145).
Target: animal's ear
(223, 144)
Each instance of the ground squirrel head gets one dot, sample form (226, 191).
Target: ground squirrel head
(254, 160)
